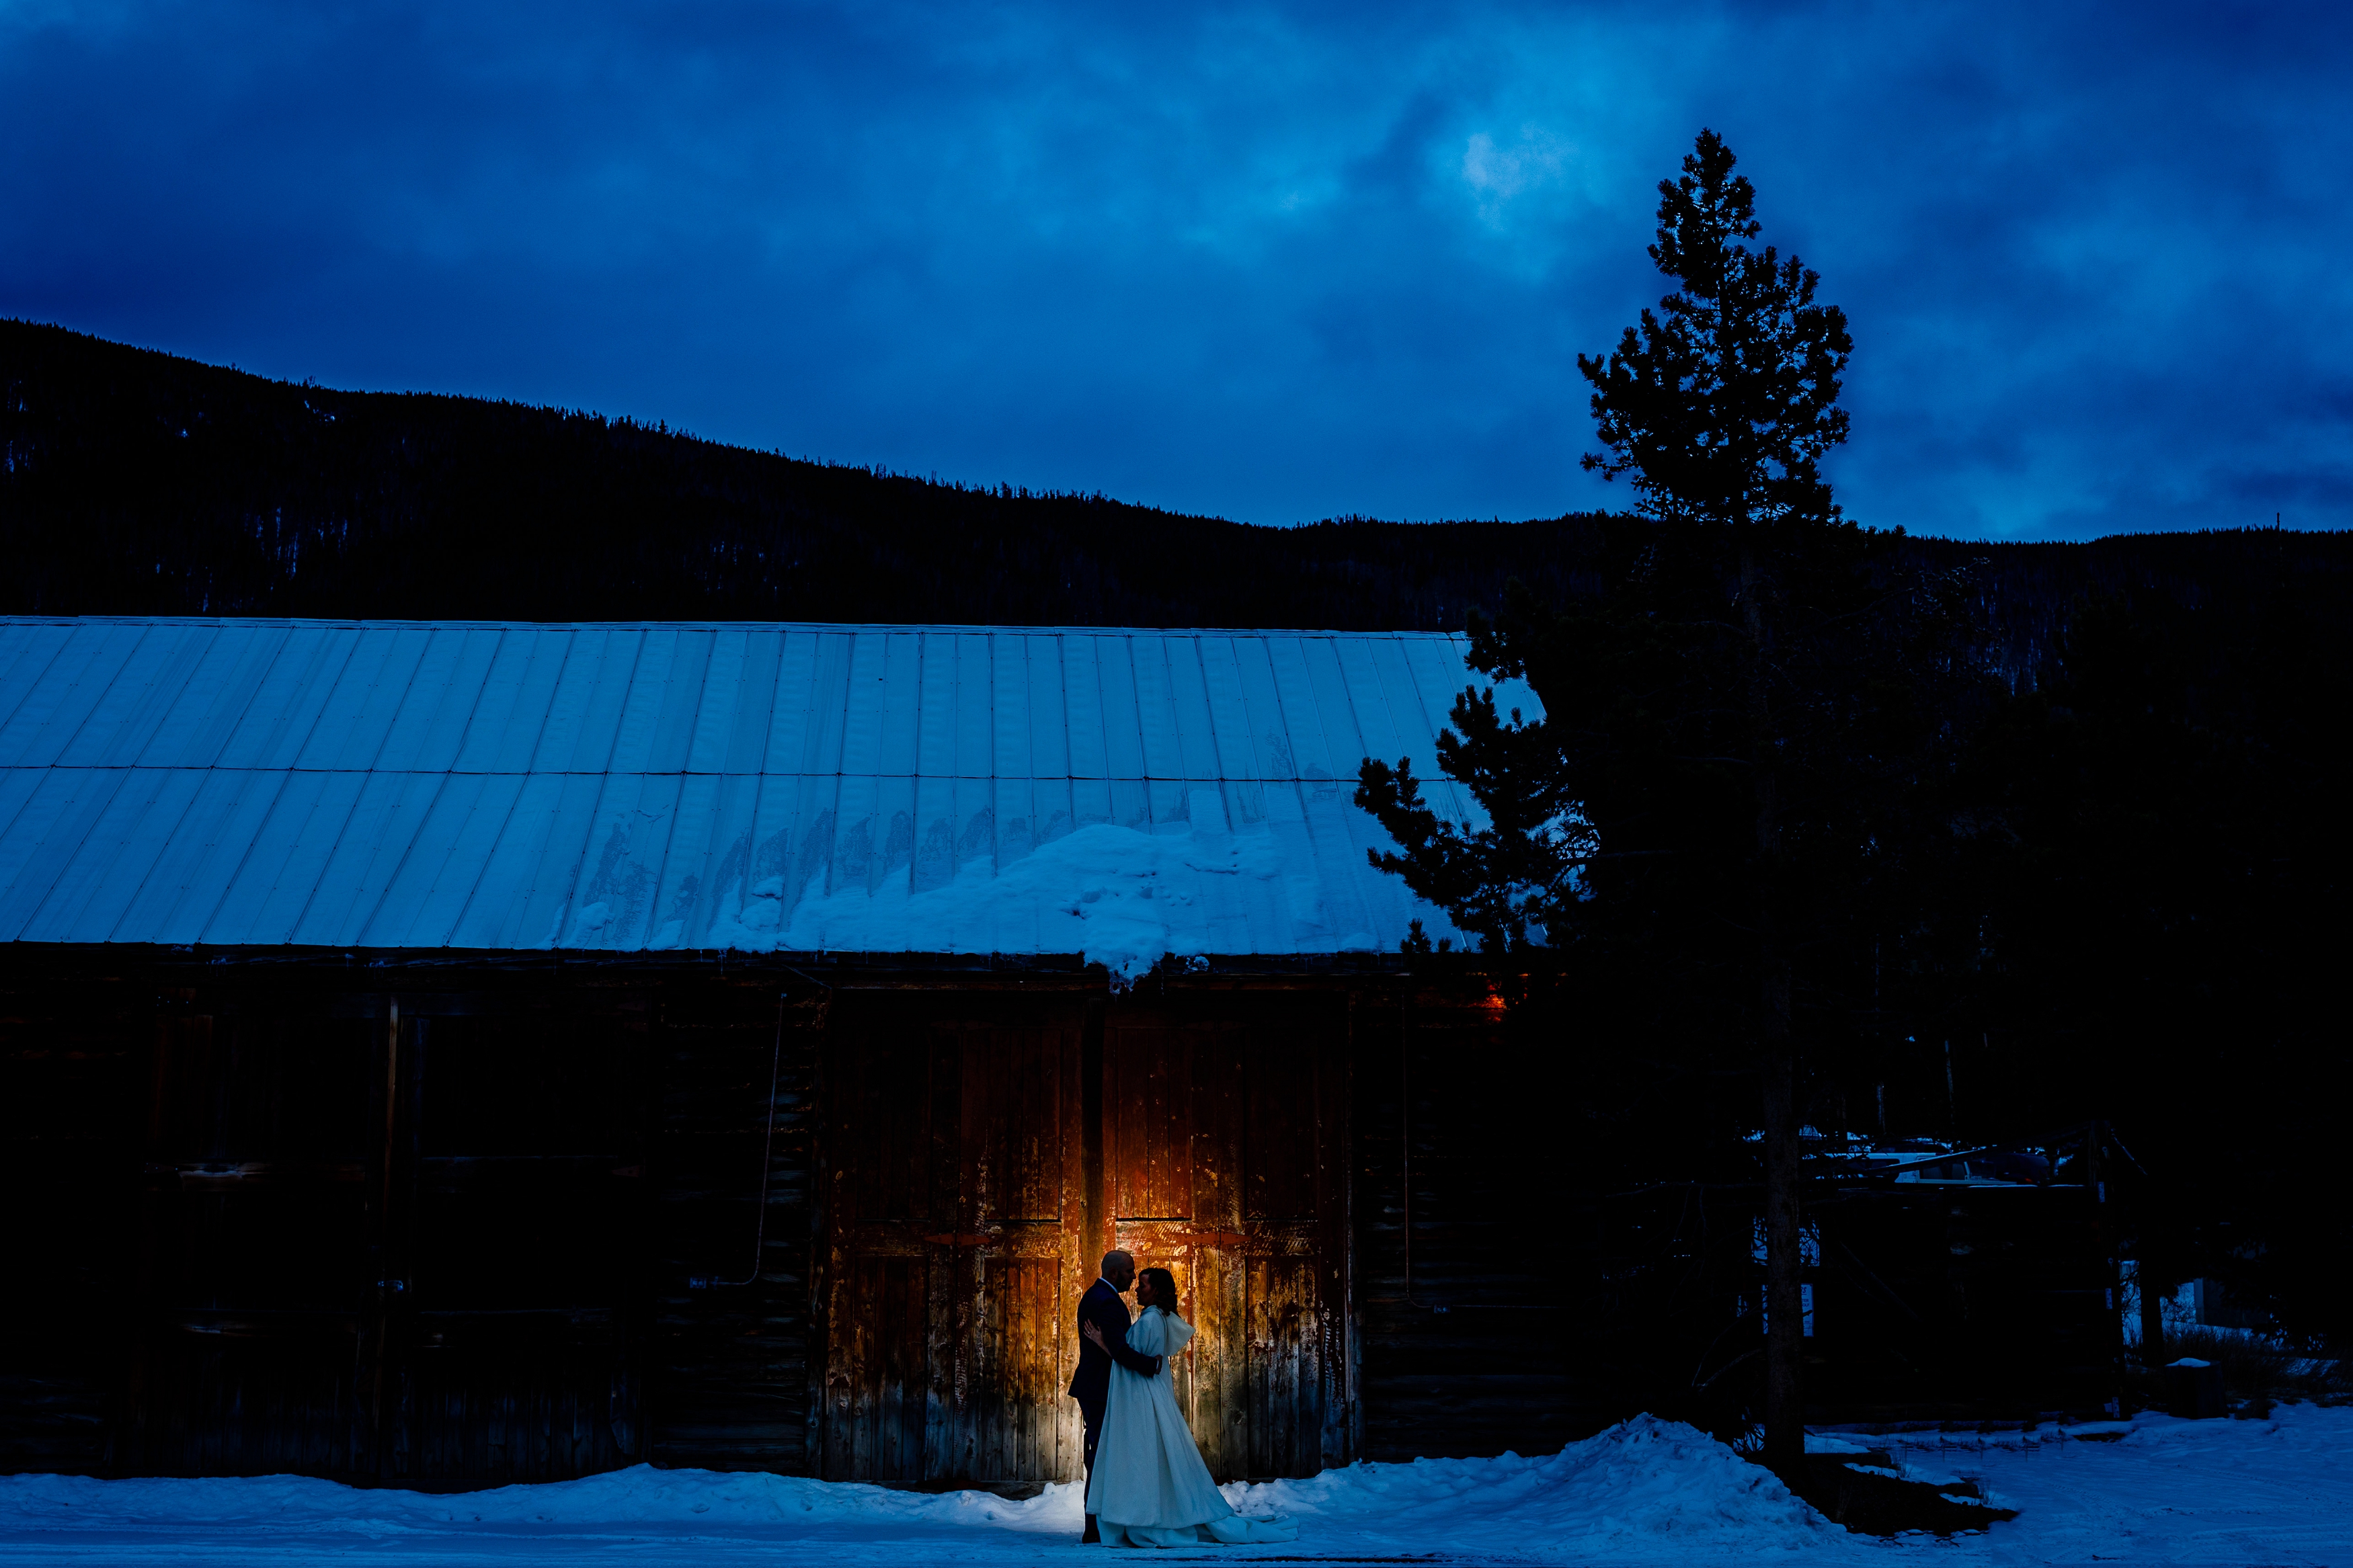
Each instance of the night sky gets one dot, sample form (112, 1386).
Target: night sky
(1270, 264)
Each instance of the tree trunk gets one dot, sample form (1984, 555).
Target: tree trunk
(1785, 1410)
(1785, 1327)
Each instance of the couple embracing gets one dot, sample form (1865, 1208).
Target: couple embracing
(1146, 1485)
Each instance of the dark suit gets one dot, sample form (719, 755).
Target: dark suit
(1091, 1384)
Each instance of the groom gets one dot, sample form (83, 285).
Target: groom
(1091, 1386)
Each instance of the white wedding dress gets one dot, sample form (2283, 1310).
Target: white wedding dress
(1150, 1487)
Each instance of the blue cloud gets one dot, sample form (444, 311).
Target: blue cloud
(1274, 263)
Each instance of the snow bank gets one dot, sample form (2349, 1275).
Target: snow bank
(641, 1495)
(1645, 1493)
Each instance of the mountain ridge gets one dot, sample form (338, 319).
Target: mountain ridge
(137, 483)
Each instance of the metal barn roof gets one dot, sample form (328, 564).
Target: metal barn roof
(402, 784)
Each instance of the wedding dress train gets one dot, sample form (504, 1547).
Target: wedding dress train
(1150, 1487)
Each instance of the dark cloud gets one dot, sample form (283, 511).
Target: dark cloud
(1274, 263)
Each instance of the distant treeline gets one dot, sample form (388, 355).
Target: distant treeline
(138, 483)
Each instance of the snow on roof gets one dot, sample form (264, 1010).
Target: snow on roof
(920, 789)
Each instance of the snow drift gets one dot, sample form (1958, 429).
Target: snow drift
(1646, 1491)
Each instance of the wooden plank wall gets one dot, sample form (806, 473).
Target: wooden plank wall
(591, 1224)
(72, 1059)
(730, 1375)
(517, 1351)
(258, 1326)
(287, 1218)
(981, 1152)
(1225, 1151)
(1467, 1344)
(682, 1374)
(389, 1235)
(952, 1155)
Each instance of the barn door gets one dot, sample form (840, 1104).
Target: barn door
(1224, 1160)
(516, 1332)
(262, 1197)
(391, 1239)
(954, 1149)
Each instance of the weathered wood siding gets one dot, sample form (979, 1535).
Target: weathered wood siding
(393, 1236)
(486, 1223)
(729, 1384)
(486, 1228)
(953, 1159)
(982, 1154)
(1225, 1143)
(1468, 1347)
(71, 1064)
(259, 1330)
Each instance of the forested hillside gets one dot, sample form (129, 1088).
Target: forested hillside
(136, 482)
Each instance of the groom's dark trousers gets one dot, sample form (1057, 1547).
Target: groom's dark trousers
(1091, 1384)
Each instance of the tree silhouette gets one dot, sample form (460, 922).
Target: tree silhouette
(1735, 731)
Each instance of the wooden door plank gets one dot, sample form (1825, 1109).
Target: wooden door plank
(997, 1397)
(844, 1159)
(855, 1157)
(921, 1293)
(862, 1333)
(1109, 1144)
(1261, 1418)
(1153, 1112)
(1229, 1411)
(1065, 1460)
(949, 1294)
(880, 1398)
(958, 1346)
(1336, 1358)
(391, 1384)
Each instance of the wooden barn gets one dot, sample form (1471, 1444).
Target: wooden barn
(449, 1055)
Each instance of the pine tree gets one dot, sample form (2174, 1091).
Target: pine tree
(1732, 733)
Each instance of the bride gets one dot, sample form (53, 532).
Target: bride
(1150, 1487)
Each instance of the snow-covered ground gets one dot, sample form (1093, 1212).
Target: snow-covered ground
(2167, 1491)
